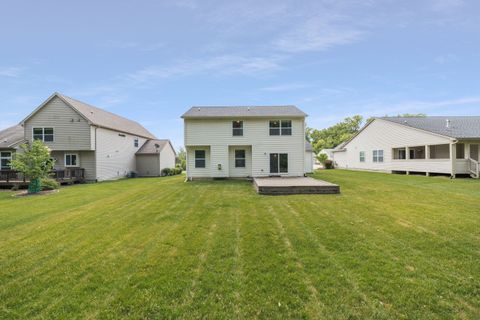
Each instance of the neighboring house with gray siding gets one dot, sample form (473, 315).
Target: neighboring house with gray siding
(154, 156)
(429, 145)
(242, 142)
(79, 135)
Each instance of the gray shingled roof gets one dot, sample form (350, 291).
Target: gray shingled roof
(11, 136)
(460, 127)
(107, 119)
(243, 112)
(153, 146)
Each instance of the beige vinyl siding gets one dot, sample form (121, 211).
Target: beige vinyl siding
(71, 131)
(308, 161)
(240, 172)
(217, 133)
(193, 172)
(86, 161)
(115, 154)
(167, 157)
(385, 135)
(148, 165)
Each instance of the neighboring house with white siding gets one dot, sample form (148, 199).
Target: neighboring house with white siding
(309, 157)
(429, 145)
(102, 144)
(244, 142)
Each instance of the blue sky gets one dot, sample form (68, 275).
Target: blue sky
(152, 60)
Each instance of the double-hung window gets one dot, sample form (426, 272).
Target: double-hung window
(71, 160)
(135, 142)
(44, 134)
(5, 159)
(281, 127)
(362, 156)
(237, 128)
(200, 161)
(239, 158)
(377, 155)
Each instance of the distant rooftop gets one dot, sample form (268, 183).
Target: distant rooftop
(243, 112)
(11, 136)
(459, 127)
(153, 146)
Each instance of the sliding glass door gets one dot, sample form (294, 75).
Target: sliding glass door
(278, 163)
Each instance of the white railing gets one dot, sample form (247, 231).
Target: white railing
(473, 167)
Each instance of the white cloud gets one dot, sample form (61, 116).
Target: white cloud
(133, 45)
(11, 72)
(287, 87)
(224, 65)
(417, 106)
(446, 5)
(445, 58)
(318, 34)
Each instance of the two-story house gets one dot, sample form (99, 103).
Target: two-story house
(241, 142)
(104, 145)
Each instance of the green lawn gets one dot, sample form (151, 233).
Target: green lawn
(388, 247)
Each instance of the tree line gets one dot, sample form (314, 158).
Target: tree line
(343, 131)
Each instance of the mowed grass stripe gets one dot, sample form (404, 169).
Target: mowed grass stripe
(388, 247)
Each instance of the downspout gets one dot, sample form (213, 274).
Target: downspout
(453, 157)
(96, 151)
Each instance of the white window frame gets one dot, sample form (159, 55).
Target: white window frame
(204, 159)
(376, 156)
(43, 134)
(239, 130)
(278, 163)
(239, 158)
(361, 156)
(77, 158)
(280, 127)
(10, 158)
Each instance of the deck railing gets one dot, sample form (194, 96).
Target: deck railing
(11, 176)
(62, 175)
(473, 166)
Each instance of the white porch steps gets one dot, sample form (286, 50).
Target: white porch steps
(474, 169)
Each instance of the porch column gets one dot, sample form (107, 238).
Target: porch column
(407, 153)
(453, 155)
(427, 152)
(467, 150)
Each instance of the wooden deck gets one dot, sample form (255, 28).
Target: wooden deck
(11, 178)
(300, 185)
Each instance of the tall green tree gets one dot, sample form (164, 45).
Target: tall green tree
(34, 162)
(182, 158)
(331, 137)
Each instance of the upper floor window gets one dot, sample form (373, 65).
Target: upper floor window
(71, 160)
(5, 159)
(200, 160)
(281, 127)
(135, 142)
(377, 155)
(44, 134)
(362, 156)
(237, 128)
